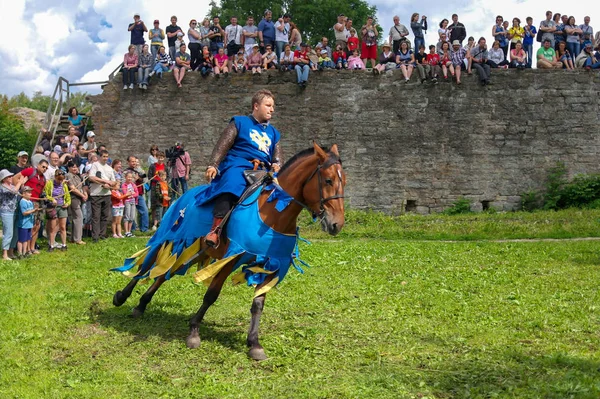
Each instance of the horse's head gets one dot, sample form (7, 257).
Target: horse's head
(324, 190)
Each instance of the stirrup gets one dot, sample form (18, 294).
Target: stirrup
(212, 239)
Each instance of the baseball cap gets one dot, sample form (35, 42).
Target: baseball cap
(156, 21)
(26, 188)
(91, 134)
(22, 154)
(323, 51)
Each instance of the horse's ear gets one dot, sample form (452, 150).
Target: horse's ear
(319, 151)
(334, 150)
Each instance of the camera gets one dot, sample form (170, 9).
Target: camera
(174, 152)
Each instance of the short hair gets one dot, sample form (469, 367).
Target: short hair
(260, 95)
(130, 157)
(431, 46)
(174, 17)
(480, 39)
(454, 15)
(103, 152)
(116, 162)
(43, 161)
(160, 154)
(421, 46)
(547, 40)
(528, 19)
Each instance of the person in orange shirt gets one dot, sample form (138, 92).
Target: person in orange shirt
(160, 198)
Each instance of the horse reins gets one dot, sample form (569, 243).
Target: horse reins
(322, 201)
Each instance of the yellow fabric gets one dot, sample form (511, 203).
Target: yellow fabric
(267, 287)
(210, 271)
(163, 267)
(187, 254)
(516, 31)
(238, 278)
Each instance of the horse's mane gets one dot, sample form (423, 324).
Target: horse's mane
(303, 154)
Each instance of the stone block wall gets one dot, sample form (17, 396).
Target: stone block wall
(405, 147)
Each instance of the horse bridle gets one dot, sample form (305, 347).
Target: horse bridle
(322, 201)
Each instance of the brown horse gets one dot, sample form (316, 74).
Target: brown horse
(316, 180)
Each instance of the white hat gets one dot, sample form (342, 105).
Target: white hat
(91, 134)
(179, 34)
(456, 43)
(323, 51)
(22, 154)
(4, 173)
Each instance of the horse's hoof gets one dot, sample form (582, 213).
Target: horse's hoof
(193, 341)
(136, 313)
(257, 354)
(117, 299)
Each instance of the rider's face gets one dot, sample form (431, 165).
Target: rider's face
(264, 110)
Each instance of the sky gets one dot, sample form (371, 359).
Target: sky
(84, 40)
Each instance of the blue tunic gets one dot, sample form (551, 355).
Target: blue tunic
(254, 140)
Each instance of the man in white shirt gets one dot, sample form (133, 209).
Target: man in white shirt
(102, 181)
(282, 33)
(233, 38)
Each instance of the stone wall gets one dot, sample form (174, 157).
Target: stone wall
(405, 146)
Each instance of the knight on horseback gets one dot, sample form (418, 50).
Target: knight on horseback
(246, 142)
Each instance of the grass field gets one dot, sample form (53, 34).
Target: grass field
(390, 309)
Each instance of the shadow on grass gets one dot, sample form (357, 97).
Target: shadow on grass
(517, 374)
(169, 326)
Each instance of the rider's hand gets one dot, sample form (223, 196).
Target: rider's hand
(211, 173)
(275, 167)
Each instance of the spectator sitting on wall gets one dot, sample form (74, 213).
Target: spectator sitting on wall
(496, 56)
(172, 31)
(137, 29)
(468, 47)
(325, 61)
(355, 62)
(269, 58)
(587, 59)
(266, 30)
(76, 120)
(564, 56)
(239, 63)
(221, 63)
(206, 62)
(130, 65)
(387, 60)
(518, 57)
(405, 58)
(446, 60)
(145, 67)
(546, 57)
(250, 34)
(423, 67)
(339, 58)
(162, 63)
(313, 57)
(302, 68)
(369, 42)
(479, 56)
(457, 30)
(286, 60)
(255, 61)
(458, 56)
(22, 163)
(398, 34)
(182, 64)
(433, 59)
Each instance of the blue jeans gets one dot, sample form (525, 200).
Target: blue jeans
(342, 61)
(574, 49)
(154, 50)
(279, 48)
(179, 181)
(419, 41)
(143, 212)
(143, 74)
(326, 64)
(529, 50)
(205, 70)
(588, 63)
(8, 220)
(160, 68)
(302, 72)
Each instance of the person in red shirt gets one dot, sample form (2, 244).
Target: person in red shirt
(302, 67)
(37, 181)
(433, 59)
(339, 58)
(352, 42)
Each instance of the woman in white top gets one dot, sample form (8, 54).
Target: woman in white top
(295, 36)
(286, 59)
(444, 29)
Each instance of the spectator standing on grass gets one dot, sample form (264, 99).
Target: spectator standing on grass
(152, 158)
(131, 197)
(137, 29)
(546, 57)
(130, 66)
(530, 35)
(78, 198)
(180, 172)
(501, 35)
(139, 176)
(548, 26)
(8, 206)
(102, 180)
(418, 27)
(22, 163)
(156, 36)
(479, 57)
(25, 222)
(39, 155)
(369, 42)
(397, 34)
(160, 198)
(57, 191)
(266, 30)
(145, 67)
(37, 181)
(250, 34)
(54, 164)
(587, 31)
(118, 206)
(457, 30)
(172, 31)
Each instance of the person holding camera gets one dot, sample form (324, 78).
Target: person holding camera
(418, 27)
(180, 164)
(137, 29)
(282, 32)
(102, 180)
(247, 139)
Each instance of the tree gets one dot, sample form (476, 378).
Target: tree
(314, 19)
(13, 137)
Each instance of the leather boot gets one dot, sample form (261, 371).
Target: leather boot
(212, 238)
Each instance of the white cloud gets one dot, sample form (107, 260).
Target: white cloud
(84, 40)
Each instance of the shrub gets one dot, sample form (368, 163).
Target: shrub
(460, 206)
(530, 201)
(13, 137)
(554, 185)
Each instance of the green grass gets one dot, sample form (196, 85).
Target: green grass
(372, 318)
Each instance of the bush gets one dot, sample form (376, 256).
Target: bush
(13, 137)
(460, 206)
(530, 201)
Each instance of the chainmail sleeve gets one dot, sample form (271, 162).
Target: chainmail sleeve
(277, 155)
(223, 145)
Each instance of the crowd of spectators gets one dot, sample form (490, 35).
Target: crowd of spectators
(277, 44)
(75, 190)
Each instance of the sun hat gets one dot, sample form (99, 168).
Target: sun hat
(456, 43)
(22, 154)
(4, 173)
(386, 44)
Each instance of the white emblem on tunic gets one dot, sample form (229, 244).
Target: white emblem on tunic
(261, 139)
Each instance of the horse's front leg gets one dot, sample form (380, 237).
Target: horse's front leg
(145, 299)
(193, 340)
(256, 351)
(121, 296)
